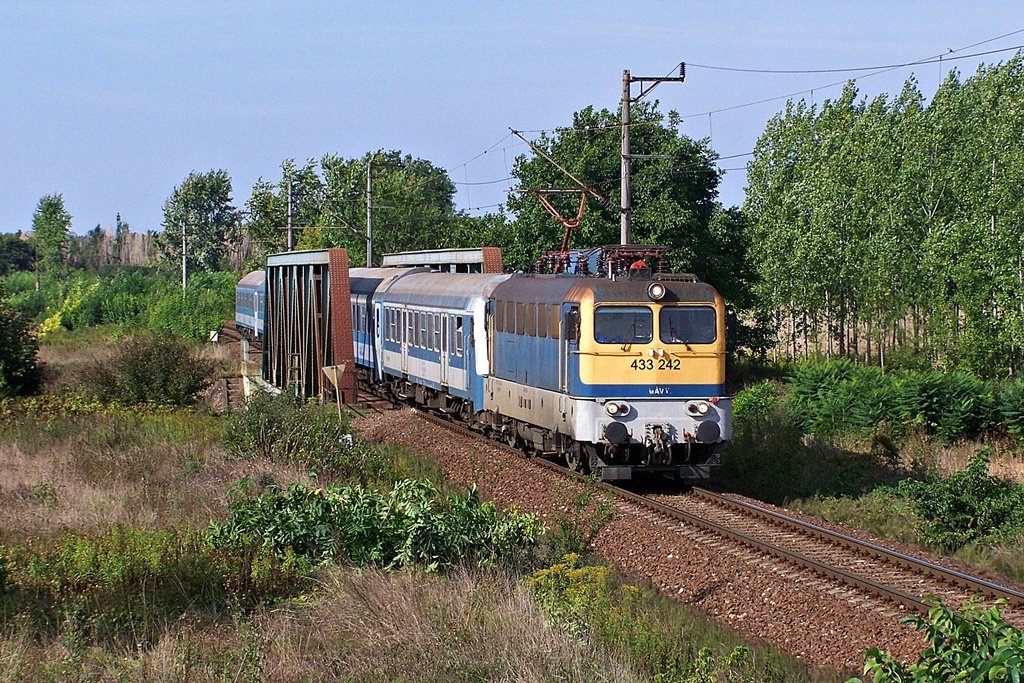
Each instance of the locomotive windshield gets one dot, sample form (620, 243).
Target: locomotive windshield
(623, 325)
(688, 325)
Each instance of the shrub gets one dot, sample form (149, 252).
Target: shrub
(975, 645)
(286, 429)
(209, 301)
(754, 403)
(413, 524)
(968, 506)
(20, 374)
(150, 370)
(1010, 404)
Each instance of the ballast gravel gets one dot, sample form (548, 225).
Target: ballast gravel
(820, 621)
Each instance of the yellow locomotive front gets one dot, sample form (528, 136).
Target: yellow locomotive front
(647, 367)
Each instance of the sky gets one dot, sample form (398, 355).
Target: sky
(113, 103)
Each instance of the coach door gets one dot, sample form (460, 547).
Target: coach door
(568, 343)
(445, 346)
(406, 334)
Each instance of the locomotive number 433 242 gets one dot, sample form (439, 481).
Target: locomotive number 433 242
(652, 363)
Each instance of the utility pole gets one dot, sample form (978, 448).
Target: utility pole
(291, 235)
(626, 216)
(184, 260)
(369, 214)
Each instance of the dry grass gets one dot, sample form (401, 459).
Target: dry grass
(86, 472)
(361, 626)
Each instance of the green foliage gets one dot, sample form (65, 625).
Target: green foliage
(895, 222)
(19, 370)
(420, 197)
(838, 397)
(209, 301)
(16, 254)
(968, 506)
(413, 524)
(976, 645)
(1010, 404)
(126, 584)
(581, 516)
(147, 369)
(584, 602)
(51, 225)
(285, 429)
(202, 204)
(753, 404)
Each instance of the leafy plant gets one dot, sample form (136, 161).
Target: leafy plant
(975, 645)
(581, 515)
(968, 506)
(413, 524)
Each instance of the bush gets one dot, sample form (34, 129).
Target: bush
(1010, 404)
(150, 370)
(974, 645)
(968, 506)
(209, 301)
(283, 428)
(20, 374)
(837, 397)
(413, 524)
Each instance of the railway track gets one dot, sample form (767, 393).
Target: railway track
(858, 569)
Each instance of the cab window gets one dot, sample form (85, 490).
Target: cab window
(688, 325)
(623, 325)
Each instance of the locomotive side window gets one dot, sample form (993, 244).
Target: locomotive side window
(520, 318)
(542, 320)
(556, 320)
(510, 317)
(688, 325)
(531, 320)
(499, 316)
(623, 325)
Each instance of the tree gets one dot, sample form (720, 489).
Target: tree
(202, 206)
(19, 370)
(15, 254)
(674, 200)
(51, 225)
(413, 200)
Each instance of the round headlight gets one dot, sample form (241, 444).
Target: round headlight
(656, 291)
(611, 409)
(703, 408)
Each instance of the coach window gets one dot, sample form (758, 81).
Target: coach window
(423, 330)
(458, 336)
(499, 316)
(437, 331)
(531, 320)
(430, 331)
(510, 317)
(623, 325)
(410, 327)
(542, 320)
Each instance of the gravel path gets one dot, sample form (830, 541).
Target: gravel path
(824, 623)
